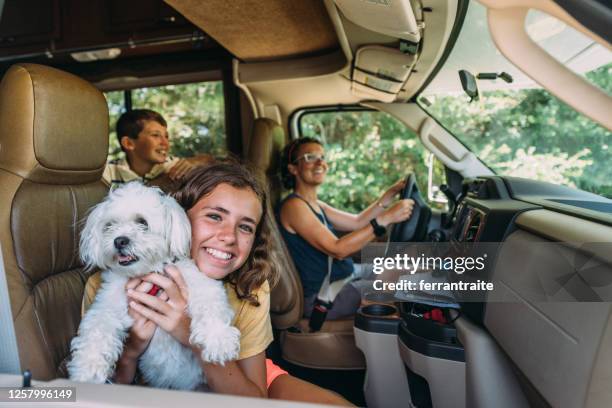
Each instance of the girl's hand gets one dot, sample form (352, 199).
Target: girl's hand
(169, 314)
(398, 212)
(388, 195)
(143, 329)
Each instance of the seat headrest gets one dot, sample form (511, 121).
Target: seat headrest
(53, 126)
(267, 142)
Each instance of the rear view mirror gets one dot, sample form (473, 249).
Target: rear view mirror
(468, 83)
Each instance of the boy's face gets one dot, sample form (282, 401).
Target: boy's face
(152, 144)
(223, 225)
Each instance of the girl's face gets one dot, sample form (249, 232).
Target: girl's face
(223, 225)
(310, 167)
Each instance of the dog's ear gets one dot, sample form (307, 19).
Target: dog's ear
(178, 228)
(90, 244)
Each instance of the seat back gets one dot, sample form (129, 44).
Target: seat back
(53, 147)
(265, 147)
(287, 297)
(333, 347)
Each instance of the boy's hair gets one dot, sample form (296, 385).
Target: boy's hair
(131, 123)
(259, 266)
(289, 156)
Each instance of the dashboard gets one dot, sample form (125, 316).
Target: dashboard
(487, 206)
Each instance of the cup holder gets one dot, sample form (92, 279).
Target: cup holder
(379, 310)
(380, 297)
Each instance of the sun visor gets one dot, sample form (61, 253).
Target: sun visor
(392, 18)
(380, 72)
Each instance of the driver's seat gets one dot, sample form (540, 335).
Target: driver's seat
(333, 347)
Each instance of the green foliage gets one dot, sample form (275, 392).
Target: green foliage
(530, 133)
(367, 152)
(194, 112)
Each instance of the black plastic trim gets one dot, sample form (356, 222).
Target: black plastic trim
(375, 324)
(430, 348)
(462, 7)
(595, 15)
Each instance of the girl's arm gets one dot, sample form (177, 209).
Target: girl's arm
(138, 339)
(245, 377)
(344, 221)
(297, 217)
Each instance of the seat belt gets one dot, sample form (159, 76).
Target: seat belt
(327, 293)
(9, 354)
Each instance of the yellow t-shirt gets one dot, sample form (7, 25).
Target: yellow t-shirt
(253, 321)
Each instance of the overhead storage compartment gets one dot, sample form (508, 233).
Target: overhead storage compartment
(394, 18)
(380, 72)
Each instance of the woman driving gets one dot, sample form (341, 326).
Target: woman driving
(309, 227)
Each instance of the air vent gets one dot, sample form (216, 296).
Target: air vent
(474, 226)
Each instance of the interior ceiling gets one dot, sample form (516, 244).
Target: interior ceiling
(149, 36)
(263, 30)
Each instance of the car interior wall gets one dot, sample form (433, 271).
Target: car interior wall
(233, 114)
(533, 333)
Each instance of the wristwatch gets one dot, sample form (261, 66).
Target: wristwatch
(379, 230)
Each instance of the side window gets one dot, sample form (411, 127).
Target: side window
(195, 114)
(367, 152)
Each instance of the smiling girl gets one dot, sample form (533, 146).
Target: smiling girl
(225, 205)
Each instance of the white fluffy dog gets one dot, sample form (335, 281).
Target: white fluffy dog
(134, 231)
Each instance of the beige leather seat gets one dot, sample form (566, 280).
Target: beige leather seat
(334, 346)
(53, 147)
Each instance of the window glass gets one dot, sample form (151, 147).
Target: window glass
(116, 106)
(517, 128)
(195, 114)
(570, 47)
(367, 152)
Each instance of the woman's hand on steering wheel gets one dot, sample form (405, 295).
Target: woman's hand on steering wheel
(398, 212)
(388, 196)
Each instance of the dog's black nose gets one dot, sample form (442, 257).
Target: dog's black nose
(121, 242)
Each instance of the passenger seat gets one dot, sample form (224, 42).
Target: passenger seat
(53, 148)
(334, 346)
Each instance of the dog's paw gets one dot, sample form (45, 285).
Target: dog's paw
(90, 373)
(221, 345)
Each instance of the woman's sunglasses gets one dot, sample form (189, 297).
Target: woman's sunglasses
(310, 158)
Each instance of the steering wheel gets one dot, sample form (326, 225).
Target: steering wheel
(415, 227)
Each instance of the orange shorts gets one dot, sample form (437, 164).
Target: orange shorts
(272, 371)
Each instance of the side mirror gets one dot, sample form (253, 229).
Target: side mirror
(468, 83)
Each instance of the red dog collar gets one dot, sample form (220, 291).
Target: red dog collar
(154, 290)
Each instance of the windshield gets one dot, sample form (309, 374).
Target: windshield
(518, 128)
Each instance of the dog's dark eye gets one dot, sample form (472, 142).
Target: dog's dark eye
(141, 221)
(107, 226)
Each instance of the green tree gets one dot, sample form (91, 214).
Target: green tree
(530, 133)
(367, 152)
(194, 112)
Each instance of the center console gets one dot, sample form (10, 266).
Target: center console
(413, 356)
